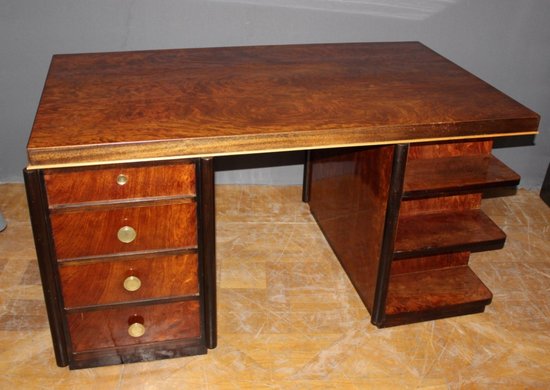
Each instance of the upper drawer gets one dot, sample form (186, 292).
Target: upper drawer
(124, 229)
(133, 279)
(119, 182)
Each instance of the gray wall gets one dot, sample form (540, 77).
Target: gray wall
(505, 42)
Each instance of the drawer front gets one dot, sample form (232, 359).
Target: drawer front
(95, 233)
(106, 282)
(111, 327)
(121, 182)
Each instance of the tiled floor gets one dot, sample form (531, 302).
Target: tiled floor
(289, 317)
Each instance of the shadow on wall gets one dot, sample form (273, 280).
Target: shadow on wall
(399, 9)
(264, 160)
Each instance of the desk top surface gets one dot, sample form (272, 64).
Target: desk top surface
(148, 105)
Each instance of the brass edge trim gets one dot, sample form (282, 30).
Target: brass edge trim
(261, 151)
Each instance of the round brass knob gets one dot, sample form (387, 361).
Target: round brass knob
(126, 234)
(132, 283)
(136, 330)
(121, 179)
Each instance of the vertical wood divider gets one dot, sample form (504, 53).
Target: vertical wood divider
(207, 231)
(390, 232)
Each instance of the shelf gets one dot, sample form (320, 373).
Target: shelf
(439, 293)
(439, 176)
(430, 234)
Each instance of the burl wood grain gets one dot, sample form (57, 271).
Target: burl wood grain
(109, 328)
(349, 194)
(433, 150)
(439, 204)
(167, 103)
(94, 232)
(95, 184)
(94, 283)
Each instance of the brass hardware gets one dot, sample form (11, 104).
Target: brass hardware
(126, 234)
(132, 283)
(136, 330)
(121, 179)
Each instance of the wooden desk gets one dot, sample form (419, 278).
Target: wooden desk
(120, 182)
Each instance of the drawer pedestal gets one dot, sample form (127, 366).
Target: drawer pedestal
(127, 260)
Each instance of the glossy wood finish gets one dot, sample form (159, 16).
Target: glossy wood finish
(439, 225)
(94, 232)
(446, 232)
(202, 102)
(163, 105)
(427, 177)
(434, 294)
(432, 223)
(92, 185)
(102, 282)
(349, 195)
(109, 328)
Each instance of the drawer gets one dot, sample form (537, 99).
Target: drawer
(120, 182)
(99, 232)
(112, 327)
(104, 282)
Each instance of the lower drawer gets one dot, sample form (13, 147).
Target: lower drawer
(134, 325)
(99, 283)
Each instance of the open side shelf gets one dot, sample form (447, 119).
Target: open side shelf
(451, 175)
(433, 294)
(429, 234)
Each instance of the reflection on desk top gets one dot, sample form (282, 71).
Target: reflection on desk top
(162, 104)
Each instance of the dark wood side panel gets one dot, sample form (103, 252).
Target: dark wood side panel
(109, 328)
(94, 232)
(390, 232)
(36, 197)
(79, 185)
(349, 194)
(207, 233)
(95, 283)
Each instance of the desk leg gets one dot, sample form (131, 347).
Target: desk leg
(207, 230)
